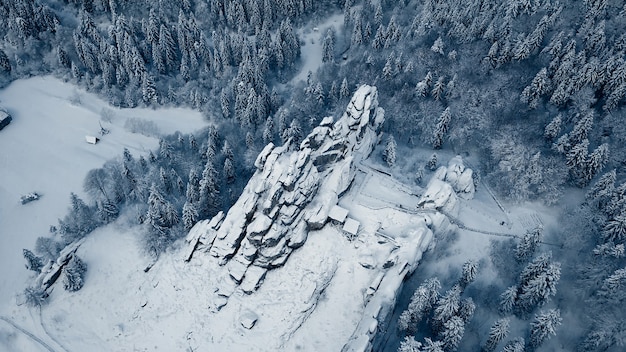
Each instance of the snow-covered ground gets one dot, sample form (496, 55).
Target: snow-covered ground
(313, 38)
(313, 303)
(44, 150)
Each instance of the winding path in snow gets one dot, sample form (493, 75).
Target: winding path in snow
(27, 333)
(368, 170)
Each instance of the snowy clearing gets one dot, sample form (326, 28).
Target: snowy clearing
(44, 150)
(311, 50)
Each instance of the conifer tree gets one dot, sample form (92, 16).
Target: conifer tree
(328, 47)
(538, 283)
(469, 272)
(344, 91)
(508, 299)
(553, 129)
(544, 326)
(5, 64)
(389, 155)
(517, 345)
(452, 333)
(438, 89)
(33, 262)
(410, 345)
(615, 229)
(229, 170)
(432, 162)
(190, 215)
(209, 202)
(447, 306)
(74, 274)
(437, 47)
(497, 333)
(528, 244)
(441, 128)
(35, 296)
(422, 302)
(466, 309)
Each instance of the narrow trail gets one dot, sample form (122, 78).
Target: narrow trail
(43, 326)
(27, 333)
(453, 219)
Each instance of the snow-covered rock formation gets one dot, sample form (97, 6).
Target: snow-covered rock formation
(290, 194)
(438, 203)
(281, 271)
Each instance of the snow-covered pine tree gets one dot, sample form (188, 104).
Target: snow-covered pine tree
(379, 38)
(410, 345)
(603, 189)
(544, 326)
(190, 215)
(613, 286)
(528, 244)
(344, 91)
(553, 128)
(74, 274)
(388, 71)
(422, 301)
(452, 333)
(439, 89)
(148, 89)
(468, 273)
(447, 307)
(293, 132)
(227, 150)
(432, 346)
(209, 200)
(432, 162)
(437, 46)
(441, 128)
(615, 229)
(33, 262)
(389, 154)
(597, 159)
(229, 170)
(357, 32)
(498, 332)
(466, 309)
(537, 287)
(5, 64)
(508, 299)
(268, 130)
(516, 345)
(328, 47)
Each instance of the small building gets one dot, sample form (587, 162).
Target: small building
(5, 118)
(351, 227)
(338, 214)
(92, 139)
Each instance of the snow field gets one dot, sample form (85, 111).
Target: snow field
(311, 50)
(44, 150)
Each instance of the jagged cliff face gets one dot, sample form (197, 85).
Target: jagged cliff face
(290, 194)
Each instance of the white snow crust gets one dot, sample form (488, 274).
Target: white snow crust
(44, 150)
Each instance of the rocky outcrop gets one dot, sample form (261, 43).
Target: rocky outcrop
(439, 201)
(291, 192)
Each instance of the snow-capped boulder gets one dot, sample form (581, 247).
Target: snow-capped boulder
(439, 195)
(458, 176)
